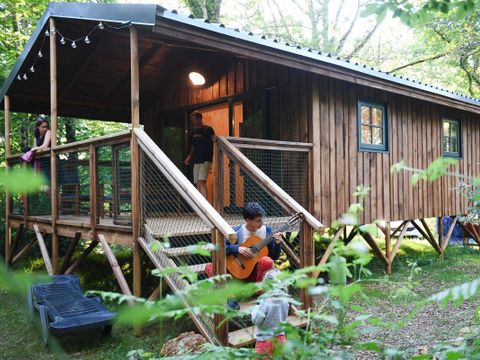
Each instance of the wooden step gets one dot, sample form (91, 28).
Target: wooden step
(186, 250)
(198, 268)
(246, 336)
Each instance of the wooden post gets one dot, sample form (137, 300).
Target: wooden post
(8, 231)
(315, 152)
(135, 108)
(93, 189)
(82, 257)
(329, 250)
(220, 261)
(307, 258)
(388, 248)
(14, 244)
(53, 142)
(440, 231)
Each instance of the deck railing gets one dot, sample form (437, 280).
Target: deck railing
(276, 175)
(93, 183)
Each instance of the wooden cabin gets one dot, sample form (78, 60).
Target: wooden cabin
(298, 131)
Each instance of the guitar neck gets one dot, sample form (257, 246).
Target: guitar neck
(269, 238)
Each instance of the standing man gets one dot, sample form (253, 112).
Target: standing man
(201, 152)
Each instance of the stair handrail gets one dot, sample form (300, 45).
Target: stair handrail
(194, 198)
(264, 181)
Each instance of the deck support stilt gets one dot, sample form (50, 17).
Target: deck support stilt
(117, 271)
(14, 244)
(388, 247)
(24, 251)
(82, 257)
(43, 249)
(69, 253)
(329, 249)
(444, 243)
(471, 231)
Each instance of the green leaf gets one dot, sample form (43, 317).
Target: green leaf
(372, 346)
(21, 181)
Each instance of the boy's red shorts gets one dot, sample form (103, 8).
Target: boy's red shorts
(267, 347)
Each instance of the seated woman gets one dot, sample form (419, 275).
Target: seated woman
(41, 142)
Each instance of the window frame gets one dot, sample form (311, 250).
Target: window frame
(458, 153)
(383, 148)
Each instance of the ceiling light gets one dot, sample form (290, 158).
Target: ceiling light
(196, 78)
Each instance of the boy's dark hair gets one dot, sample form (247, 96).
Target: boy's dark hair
(197, 115)
(252, 210)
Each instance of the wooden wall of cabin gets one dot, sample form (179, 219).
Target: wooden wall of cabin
(289, 120)
(414, 133)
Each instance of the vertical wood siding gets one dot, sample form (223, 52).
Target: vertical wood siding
(330, 112)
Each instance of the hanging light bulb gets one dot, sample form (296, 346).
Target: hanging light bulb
(53, 30)
(100, 26)
(62, 41)
(74, 45)
(19, 77)
(47, 33)
(25, 77)
(87, 40)
(40, 55)
(32, 69)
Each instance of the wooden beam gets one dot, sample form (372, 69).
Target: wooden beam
(449, 234)
(290, 253)
(6, 104)
(440, 231)
(388, 248)
(155, 295)
(135, 168)
(69, 253)
(307, 258)
(93, 167)
(427, 237)
(399, 241)
(43, 249)
(8, 230)
(53, 141)
(105, 140)
(82, 257)
(400, 227)
(427, 229)
(374, 246)
(350, 237)
(329, 250)
(122, 282)
(15, 242)
(472, 233)
(24, 251)
(220, 268)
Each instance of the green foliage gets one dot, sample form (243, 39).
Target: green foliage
(21, 181)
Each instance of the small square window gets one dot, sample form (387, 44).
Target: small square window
(451, 139)
(372, 126)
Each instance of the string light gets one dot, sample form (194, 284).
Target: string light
(74, 42)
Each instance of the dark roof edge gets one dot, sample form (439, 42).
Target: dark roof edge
(314, 55)
(137, 14)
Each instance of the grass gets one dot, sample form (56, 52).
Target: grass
(19, 339)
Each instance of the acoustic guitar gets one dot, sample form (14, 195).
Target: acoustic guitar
(239, 266)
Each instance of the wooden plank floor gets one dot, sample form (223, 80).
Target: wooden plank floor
(81, 220)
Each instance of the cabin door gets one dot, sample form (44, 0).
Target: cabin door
(217, 118)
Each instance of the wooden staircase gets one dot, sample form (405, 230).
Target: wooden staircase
(189, 222)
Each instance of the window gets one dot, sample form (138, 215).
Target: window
(451, 139)
(372, 126)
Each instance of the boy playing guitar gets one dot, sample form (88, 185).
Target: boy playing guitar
(253, 214)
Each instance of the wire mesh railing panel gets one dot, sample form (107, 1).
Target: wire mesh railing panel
(287, 168)
(114, 185)
(73, 181)
(39, 203)
(17, 206)
(181, 235)
(241, 188)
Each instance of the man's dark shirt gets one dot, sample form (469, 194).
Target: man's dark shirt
(203, 144)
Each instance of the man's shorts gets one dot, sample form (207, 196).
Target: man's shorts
(200, 171)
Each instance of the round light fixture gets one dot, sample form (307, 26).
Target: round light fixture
(196, 78)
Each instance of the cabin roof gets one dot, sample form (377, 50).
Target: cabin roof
(152, 19)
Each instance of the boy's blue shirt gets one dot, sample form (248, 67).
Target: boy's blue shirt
(274, 249)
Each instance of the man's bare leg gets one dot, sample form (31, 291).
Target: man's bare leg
(202, 187)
